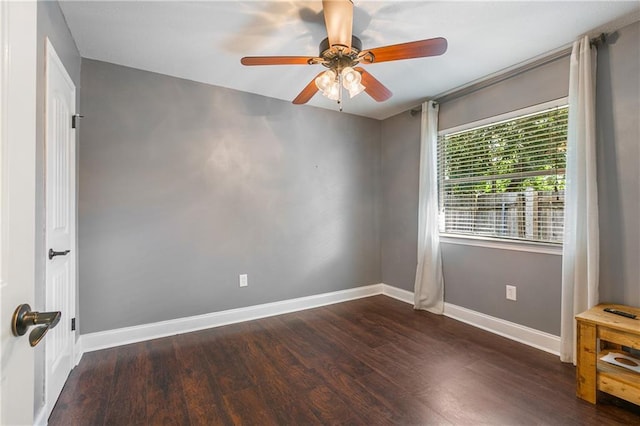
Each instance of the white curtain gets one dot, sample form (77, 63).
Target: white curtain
(580, 254)
(429, 285)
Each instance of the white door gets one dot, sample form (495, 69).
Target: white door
(18, 47)
(60, 222)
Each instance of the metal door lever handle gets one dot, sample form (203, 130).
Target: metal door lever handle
(23, 318)
(53, 253)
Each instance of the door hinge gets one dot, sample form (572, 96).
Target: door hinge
(73, 324)
(74, 120)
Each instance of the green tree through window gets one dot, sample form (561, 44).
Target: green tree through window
(506, 179)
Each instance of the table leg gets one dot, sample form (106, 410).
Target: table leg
(586, 362)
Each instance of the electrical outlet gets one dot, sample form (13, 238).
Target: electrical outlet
(511, 292)
(244, 281)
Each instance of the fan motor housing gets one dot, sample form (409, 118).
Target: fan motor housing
(338, 58)
(326, 52)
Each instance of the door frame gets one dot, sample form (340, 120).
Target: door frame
(52, 59)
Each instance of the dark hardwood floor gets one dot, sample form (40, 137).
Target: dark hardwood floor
(370, 361)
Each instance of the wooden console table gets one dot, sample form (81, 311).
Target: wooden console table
(600, 331)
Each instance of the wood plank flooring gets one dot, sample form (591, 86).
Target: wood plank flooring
(371, 361)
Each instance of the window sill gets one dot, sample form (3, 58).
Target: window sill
(495, 243)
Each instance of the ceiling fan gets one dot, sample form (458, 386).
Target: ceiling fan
(341, 52)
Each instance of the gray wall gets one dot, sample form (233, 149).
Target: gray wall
(400, 169)
(183, 186)
(541, 84)
(51, 23)
(475, 277)
(618, 124)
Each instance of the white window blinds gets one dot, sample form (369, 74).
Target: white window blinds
(505, 179)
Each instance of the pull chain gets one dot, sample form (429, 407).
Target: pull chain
(340, 91)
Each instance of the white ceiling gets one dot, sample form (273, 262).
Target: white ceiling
(204, 41)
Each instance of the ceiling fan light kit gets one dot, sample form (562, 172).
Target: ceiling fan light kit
(341, 52)
(328, 83)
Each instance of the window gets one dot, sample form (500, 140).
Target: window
(505, 177)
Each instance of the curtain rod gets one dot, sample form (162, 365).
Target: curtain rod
(509, 73)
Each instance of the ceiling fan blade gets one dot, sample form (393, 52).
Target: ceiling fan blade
(413, 49)
(308, 92)
(373, 87)
(338, 17)
(277, 60)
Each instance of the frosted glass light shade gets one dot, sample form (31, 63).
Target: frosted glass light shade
(351, 80)
(350, 77)
(325, 80)
(355, 89)
(333, 92)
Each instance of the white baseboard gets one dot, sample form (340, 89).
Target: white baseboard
(77, 351)
(398, 293)
(520, 333)
(529, 336)
(40, 418)
(123, 336)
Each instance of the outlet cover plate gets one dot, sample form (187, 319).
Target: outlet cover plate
(511, 292)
